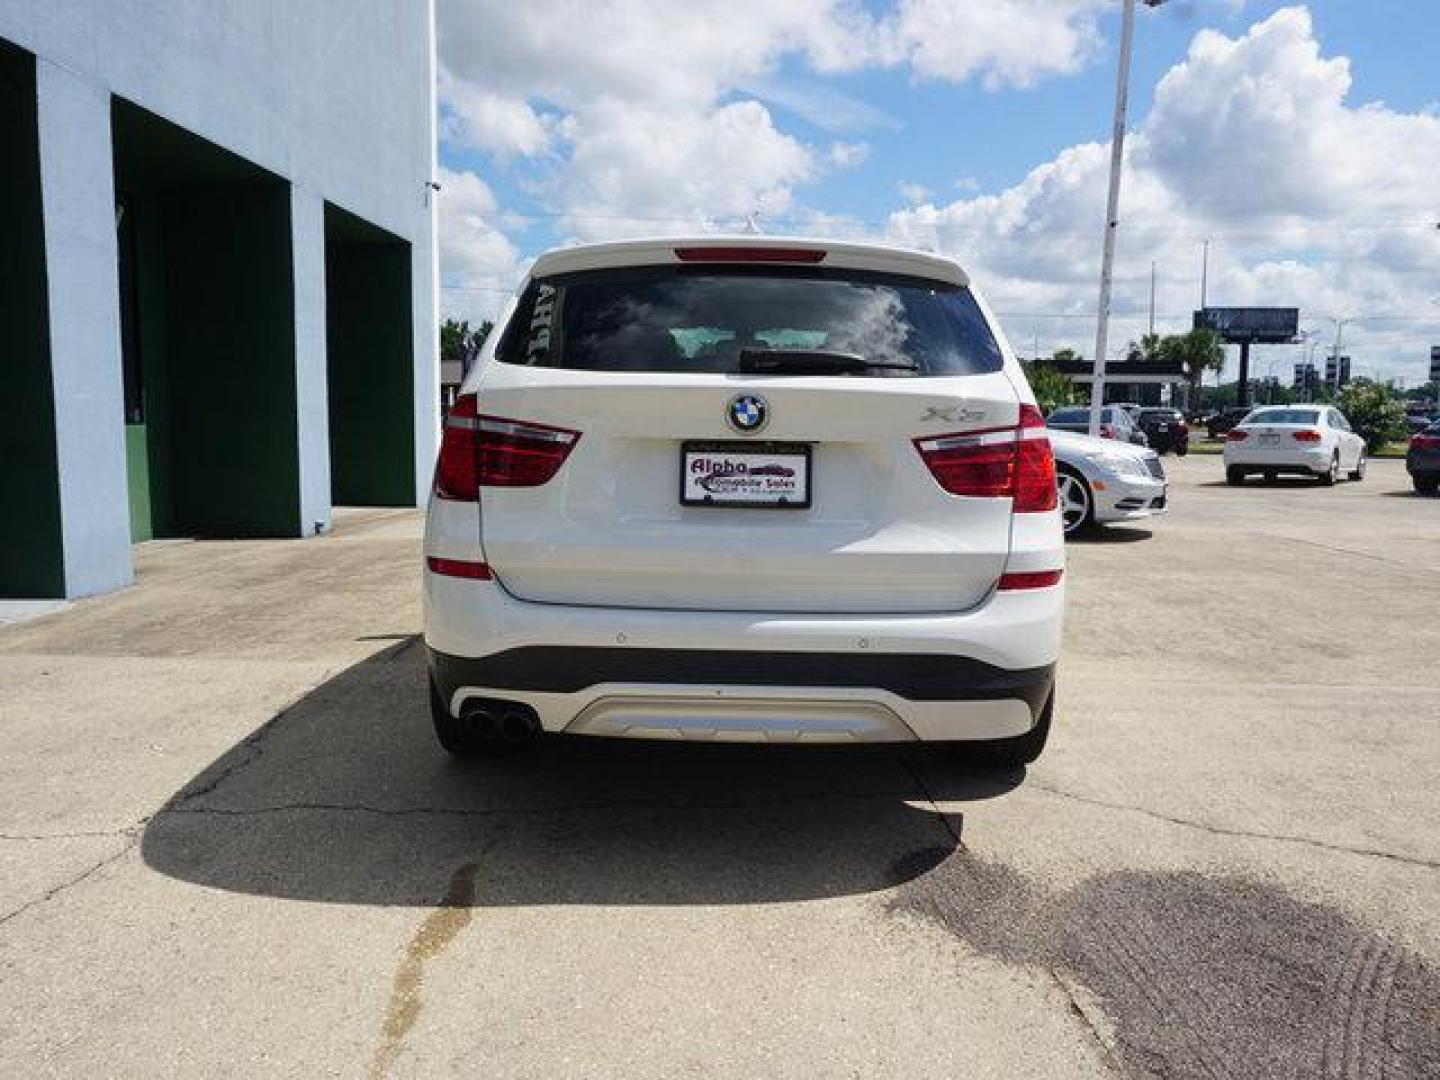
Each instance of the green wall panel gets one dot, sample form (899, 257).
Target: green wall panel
(31, 553)
(371, 368)
(229, 370)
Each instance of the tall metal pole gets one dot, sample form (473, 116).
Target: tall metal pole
(1204, 271)
(1112, 217)
(1152, 297)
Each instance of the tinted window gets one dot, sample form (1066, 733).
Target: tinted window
(1284, 416)
(699, 319)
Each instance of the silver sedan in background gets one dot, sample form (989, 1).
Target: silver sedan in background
(1104, 480)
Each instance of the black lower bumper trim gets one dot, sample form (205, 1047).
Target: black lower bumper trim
(913, 676)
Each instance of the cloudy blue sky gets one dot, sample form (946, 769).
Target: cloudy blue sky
(1302, 140)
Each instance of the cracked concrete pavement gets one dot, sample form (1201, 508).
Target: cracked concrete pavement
(228, 846)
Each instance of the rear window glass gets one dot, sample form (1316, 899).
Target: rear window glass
(1284, 416)
(700, 319)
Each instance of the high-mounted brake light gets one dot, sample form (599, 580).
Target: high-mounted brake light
(1012, 462)
(1306, 436)
(493, 451)
(750, 254)
(1236, 435)
(1031, 579)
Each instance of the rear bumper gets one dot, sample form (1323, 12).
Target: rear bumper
(1423, 462)
(1278, 459)
(732, 695)
(748, 676)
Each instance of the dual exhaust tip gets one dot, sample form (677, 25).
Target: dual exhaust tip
(500, 721)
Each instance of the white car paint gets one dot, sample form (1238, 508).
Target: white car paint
(1102, 480)
(1309, 440)
(602, 566)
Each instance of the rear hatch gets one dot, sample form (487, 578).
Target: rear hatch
(743, 438)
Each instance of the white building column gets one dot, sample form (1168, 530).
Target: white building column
(82, 280)
(312, 405)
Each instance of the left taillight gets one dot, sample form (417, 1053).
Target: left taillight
(1014, 462)
(457, 474)
(495, 451)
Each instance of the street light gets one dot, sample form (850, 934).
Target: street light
(1112, 210)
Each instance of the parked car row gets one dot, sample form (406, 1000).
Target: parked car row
(1162, 429)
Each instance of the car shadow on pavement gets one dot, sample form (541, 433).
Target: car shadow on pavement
(344, 797)
(1110, 534)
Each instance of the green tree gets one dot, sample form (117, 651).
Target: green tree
(1052, 390)
(1373, 411)
(1147, 348)
(1196, 351)
(458, 341)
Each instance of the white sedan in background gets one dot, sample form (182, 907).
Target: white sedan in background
(1305, 440)
(1102, 480)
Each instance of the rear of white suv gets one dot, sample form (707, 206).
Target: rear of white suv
(749, 489)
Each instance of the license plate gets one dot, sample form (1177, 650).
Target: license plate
(762, 476)
(1162, 428)
(1269, 440)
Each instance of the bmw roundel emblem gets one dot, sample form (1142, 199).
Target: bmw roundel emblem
(747, 413)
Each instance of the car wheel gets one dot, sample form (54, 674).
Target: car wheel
(1010, 754)
(1182, 449)
(484, 733)
(1358, 473)
(1234, 477)
(1426, 485)
(1330, 475)
(1077, 504)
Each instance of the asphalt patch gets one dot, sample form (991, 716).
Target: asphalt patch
(1204, 977)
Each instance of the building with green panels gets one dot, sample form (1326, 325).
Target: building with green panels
(217, 242)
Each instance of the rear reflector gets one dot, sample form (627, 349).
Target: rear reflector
(998, 463)
(750, 254)
(461, 568)
(1306, 436)
(1236, 435)
(1031, 579)
(493, 451)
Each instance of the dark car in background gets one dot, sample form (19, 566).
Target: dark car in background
(1422, 460)
(1115, 423)
(1221, 422)
(1166, 429)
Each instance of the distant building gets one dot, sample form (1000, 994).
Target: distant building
(1145, 382)
(216, 228)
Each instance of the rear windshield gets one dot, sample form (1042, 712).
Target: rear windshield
(701, 319)
(1284, 416)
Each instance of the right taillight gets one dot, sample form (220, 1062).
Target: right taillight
(1236, 435)
(494, 451)
(1307, 436)
(1425, 442)
(1014, 462)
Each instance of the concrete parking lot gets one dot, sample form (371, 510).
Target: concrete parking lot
(229, 847)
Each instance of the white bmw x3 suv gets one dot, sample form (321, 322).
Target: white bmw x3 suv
(744, 489)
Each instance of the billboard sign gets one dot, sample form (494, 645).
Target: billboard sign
(1250, 325)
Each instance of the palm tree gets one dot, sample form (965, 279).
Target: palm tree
(1197, 352)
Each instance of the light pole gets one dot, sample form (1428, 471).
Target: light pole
(1112, 210)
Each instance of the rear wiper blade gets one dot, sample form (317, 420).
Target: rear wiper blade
(812, 361)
